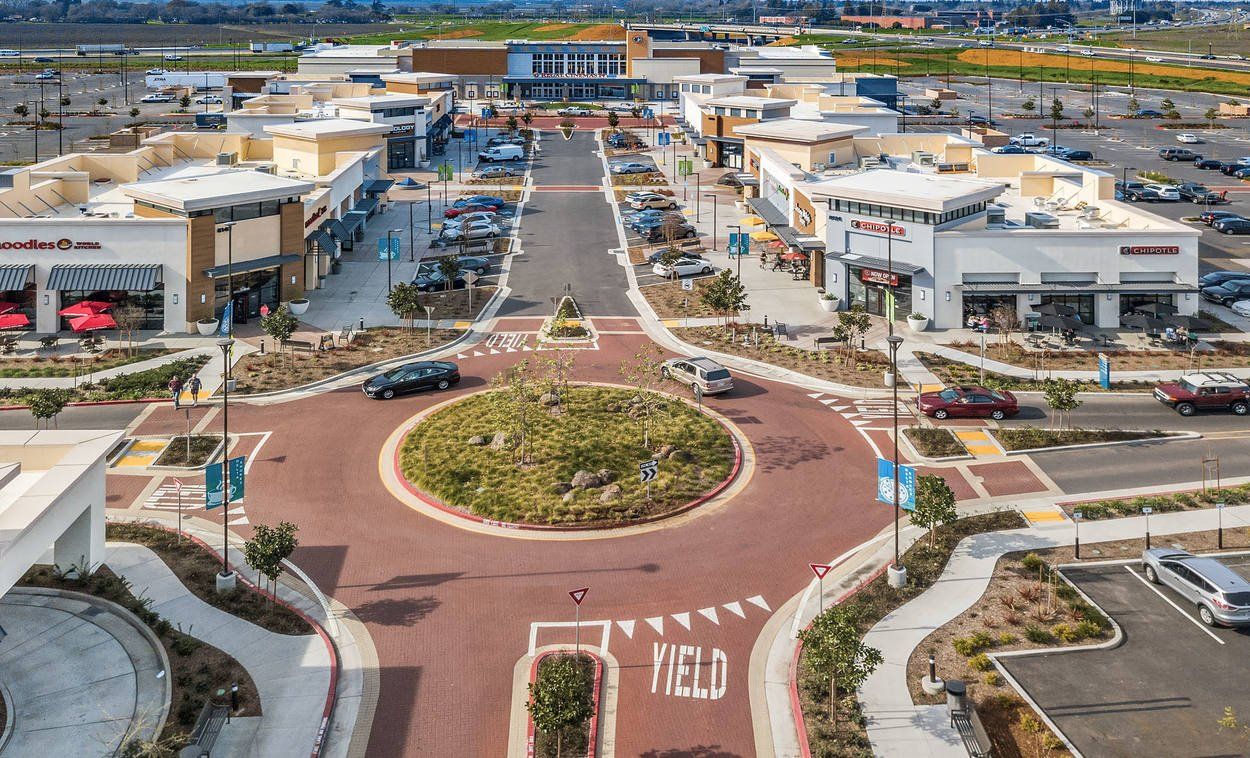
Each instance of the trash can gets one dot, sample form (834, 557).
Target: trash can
(956, 697)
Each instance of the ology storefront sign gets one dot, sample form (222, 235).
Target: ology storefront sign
(878, 227)
(63, 243)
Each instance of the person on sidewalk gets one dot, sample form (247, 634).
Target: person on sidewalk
(175, 389)
(193, 386)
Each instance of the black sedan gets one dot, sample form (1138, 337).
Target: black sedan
(1228, 169)
(1210, 217)
(1219, 278)
(412, 377)
(1232, 226)
(1207, 164)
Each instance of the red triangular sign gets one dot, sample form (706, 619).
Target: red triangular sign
(579, 595)
(820, 569)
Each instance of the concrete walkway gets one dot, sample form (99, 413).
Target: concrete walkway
(79, 678)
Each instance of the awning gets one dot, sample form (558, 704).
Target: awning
(747, 179)
(764, 208)
(109, 276)
(324, 241)
(1077, 287)
(378, 186)
(340, 232)
(366, 206)
(256, 264)
(14, 276)
(880, 264)
(351, 221)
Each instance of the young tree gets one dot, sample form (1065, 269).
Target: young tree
(1061, 398)
(834, 648)
(936, 105)
(268, 548)
(935, 504)
(1132, 106)
(280, 324)
(1211, 115)
(512, 123)
(449, 269)
(558, 371)
(46, 404)
(1056, 108)
(134, 112)
(64, 101)
(1029, 105)
(1005, 321)
(519, 389)
(404, 300)
(128, 318)
(105, 101)
(643, 372)
(184, 102)
(613, 119)
(636, 111)
(725, 295)
(853, 324)
(22, 110)
(527, 118)
(559, 699)
(1088, 113)
(1167, 105)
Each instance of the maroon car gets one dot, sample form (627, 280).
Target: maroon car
(470, 208)
(967, 402)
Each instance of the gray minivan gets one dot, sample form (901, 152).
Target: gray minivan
(1221, 595)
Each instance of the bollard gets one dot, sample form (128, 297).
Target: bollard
(262, 347)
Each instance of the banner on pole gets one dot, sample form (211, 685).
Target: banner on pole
(906, 484)
(214, 482)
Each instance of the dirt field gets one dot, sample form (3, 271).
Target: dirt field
(1011, 58)
(153, 35)
(598, 32)
(1224, 40)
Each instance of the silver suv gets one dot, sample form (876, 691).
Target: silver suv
(1221, 595)
(710, 376)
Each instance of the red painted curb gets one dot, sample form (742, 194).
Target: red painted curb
(433, 502)
(322, 731)
(593, 737)
(796, 707)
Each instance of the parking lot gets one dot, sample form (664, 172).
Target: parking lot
(1161, 691)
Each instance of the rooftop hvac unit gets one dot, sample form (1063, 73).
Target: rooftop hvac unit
(870, 161)
(227, 159)
(995, 217)
(922, 157)
(1041, 220)
(1091, 212)
(268, 169)
(819, 166)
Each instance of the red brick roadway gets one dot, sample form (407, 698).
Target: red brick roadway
(450, 611)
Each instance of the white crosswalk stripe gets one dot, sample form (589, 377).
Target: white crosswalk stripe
(165, 498)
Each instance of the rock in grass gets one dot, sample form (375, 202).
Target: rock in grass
(667, 450)
(606, 475)
(585, 480)
(568, 496)
(561, 487)
(499, 441)
(610, 493)
(549, 399)
(476, 440)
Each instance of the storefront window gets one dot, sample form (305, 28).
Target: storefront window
(869, 289)
(1084, 305)
(976, 306)
(251, 290)
(1130, 303)
(24, 299)
(150, 302)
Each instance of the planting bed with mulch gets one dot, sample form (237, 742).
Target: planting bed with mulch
(935, 442)
(867, 371)
(1028, 437)
(1225, 355)
(669, 300)
(1178, 501)
(269, 372)
(639, 180)
(139, 385)
(871, 603)
(580, 462)
(957, 373)
(659, 189)
(505, 181)
(573, 740)
(202, 446)
(454, 304)
(79, 365)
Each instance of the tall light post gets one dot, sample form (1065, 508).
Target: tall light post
(412, 240)
(712, 199)
(226, 579)
(429, 208)
(228, 309)
(897, 574)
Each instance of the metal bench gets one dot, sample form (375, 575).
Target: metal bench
(206, 731)
(304, 345)
(347, 334)
(779, 330)
(975, 740)
(826, 341)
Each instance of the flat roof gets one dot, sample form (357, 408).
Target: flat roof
(252, 74)
(215, 189)
(798, 130)
(750, 101)
(931, 192)
(329, 127)
(390, 100)
(350, 51)
(417, 77)
(709, 78)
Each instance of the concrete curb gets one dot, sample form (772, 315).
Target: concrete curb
(592, 741)
(1177, 437)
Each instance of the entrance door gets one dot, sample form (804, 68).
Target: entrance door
(241, 309)
(875, 299)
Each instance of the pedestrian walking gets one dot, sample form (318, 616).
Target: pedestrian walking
(175, 389)
(193, 386)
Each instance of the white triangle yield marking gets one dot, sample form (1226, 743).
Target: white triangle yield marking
(815, 395)
(493, 351)
(526, 348)
(829, 401)
(735, 608)
(656, 623)
(839, 408)
(710, 614)
(511, 350)
(627, 627)
(238, 521)
(683, 619)
(859, 422)
(461, 356)
(478, 353)
(759, 601)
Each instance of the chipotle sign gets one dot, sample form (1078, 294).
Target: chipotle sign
(1150, 250)
(873, 276)
(876, 227)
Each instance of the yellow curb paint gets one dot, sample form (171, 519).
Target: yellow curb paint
(671, 323)
(148, 446)
(978, 443)
(462, 324)
(1038, 516)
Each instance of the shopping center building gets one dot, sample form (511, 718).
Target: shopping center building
(188, 222)
(952, 230)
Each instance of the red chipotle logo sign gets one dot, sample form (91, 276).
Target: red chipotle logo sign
(876, 227)
(1150, 250)
(61, 244)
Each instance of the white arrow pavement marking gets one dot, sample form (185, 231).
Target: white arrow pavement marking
(758, 600)
(627, 627)
(683, 619)
(815, 395)
(735, 608)
(656, 623)
(512, 350)
(478, 353)
(526, 348)
(839, 408)
(829, 401)
(710, 614)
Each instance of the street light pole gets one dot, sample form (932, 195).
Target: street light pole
(412, 240)
(429, 208)
(226, 580)
(712, 199)
(736, 249)
(898, 574)
(391, 234)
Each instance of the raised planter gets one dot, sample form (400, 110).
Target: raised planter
(298, 306)
(828, 303)
(917, 323)
(592, 740)
(207, 326)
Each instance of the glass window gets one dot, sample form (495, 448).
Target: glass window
(246, 211)
(269, 208)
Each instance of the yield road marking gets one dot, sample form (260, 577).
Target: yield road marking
(758, 601)
(978, 442)
(710, 615)
(656, 623)
(627, 627)
(683, 619)
(735, 608)
(1168, 600)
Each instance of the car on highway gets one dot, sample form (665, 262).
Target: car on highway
(1187, 138)
(474, 230)
(706, 374)
(1009, 150)
(1210, 217)
(208, 100)
(1236, 225)
(986, 43)
(1207, 390)
(156, 72)
(574, 110)
(1088, 53)
(412, 377)
(968, 402)
(1207, 164)
(630, 168)
(683, 266)
(1061, 49)
(470, 208)
(44, 59)
(1178, 154)
(1221, 595)
(1153, 59)
(493, 172)
(172, 57)
(1197, 193)
(1206, 57)
(646, 200)
(157, 97)
(1228, 292)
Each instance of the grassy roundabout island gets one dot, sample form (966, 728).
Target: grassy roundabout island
(579, 462)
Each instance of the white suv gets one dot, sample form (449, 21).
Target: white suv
(707, 374)
(1164, 191)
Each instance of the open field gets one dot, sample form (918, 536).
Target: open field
(494, 31)
(36, 35)
(1224, 40)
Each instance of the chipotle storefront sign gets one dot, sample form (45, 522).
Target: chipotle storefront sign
(1150, 250)
(877, 227)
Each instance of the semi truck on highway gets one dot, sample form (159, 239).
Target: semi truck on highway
(271, 47)
(100, 49)
(203, 80)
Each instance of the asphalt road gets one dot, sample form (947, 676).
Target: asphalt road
(1140, 411)
(1161, 692)
(1142, 464)
(566, 236)
(78, 417)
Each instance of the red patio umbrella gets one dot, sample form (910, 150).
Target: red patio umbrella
(85, 308)
(13, 320)
(776, 243)
(92, 323)
(794, 257)
(7, 307)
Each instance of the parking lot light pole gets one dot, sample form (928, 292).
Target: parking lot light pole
(898, 575)
(1219, 533)
(1147, 511)
(1076, 523)
(429, 208)
(712, 199)
(225, 581)
(391, 234)
(412, 240)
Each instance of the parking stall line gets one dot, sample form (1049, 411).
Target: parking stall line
(1168, 600)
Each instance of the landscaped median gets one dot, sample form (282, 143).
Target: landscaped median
(140, 385)
(563, 705)
(854, 367)
(1097, 510)
(936, 442)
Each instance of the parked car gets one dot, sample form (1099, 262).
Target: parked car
(1009, 150)
(968, 402)
(412, 377)
(635, 217)
(574, 110)
(645, 224)
(157, 97)
(1241, 308)
(494, 200)
(490, 217)
(434, 280)
(1207, 164)
(1242, 172)
(711, 377)
(1210, 217)
(1178, 154)
(631, 168)
(659, 254)
(45, 75)
(1197, 193)
(1228, 168)
(155, 72)
(453, 212)
(652, 200)
(656, 233)
(623, 141)
(504, 139)
(683, 266)
(472, 231)
(1187, 138)
(1149, 113)
(1235, 225)
(1209, 390)
(1078, 155)
(1228, 292)
(493, 172)
(479, 266)
(208, 100)
(1136, 192)
(1221, 595)
(1216, 278)
(1030, 140)
(502, 153)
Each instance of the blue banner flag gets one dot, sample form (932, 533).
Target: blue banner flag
(906, 484)
(227, 320)
(214, 482)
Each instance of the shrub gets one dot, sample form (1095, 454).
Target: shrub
(993, 678)
(1032, 562)
(1030, 723)
(1029, 593)
(980, 662)
(185, 645)
(1037, 635)
(970, 646)
(1065, 632)
(1007, 638)
(982, 640)
(1012, 618)
(1088, 629)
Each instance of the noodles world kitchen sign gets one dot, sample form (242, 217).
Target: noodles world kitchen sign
(876, 227)
(63, 243)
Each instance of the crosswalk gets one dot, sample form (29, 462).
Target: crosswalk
(864, 413)
(166, 498)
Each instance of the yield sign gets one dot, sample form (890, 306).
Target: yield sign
(820, 569)
(579, 595)
(178, 486)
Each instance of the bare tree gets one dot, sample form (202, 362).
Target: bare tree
(128, 318)
(520, 389)
(643, 372)
(1005, 321)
